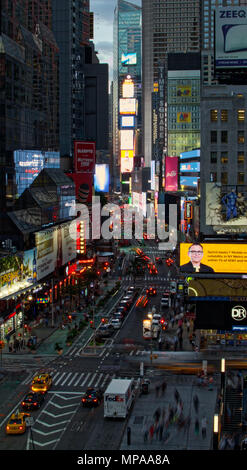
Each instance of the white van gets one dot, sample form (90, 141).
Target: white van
(118, 398)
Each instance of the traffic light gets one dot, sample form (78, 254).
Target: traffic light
(103, 320)
(91, 324)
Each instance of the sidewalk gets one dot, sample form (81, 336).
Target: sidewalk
(48, 336)
(173, 437)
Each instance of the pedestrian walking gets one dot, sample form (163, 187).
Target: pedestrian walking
(161, 429)
(151, 433)
(157, 390)
(196, 403)
(157, 414)
(197, 427)
(204, 427)
(145, 435)
(176, 395)
(180, 340)
(188, 326)
(163, 387)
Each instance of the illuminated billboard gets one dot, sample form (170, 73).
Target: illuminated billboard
(127, 121)
(84, 156)
(183, 91)
(230, 37)
(191, 166)
(213, 258)
(102, 178)
(189, 181)
(171, 173)
(129, 59)
(128, 88)
(29, 163)
(183, 117)
(127, 106)
(127, 161)
(126, 139)
(226, 209)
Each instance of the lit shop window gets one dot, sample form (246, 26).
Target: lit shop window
(241, 115)
(224, 115)
(214, 115)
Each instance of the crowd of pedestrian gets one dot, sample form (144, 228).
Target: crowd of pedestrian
(172, 417)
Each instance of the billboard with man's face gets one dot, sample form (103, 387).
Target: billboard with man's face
(213, 258)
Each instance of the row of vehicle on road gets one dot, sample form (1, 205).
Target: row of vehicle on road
(106, 329)
(33, 400)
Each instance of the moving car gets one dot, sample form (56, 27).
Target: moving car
(41, 383)
(152, 269)
(32, 401)
(151, 291)
(158, 260)
(169, 261)
(165, 301)
(17, 423)
(118, 315)
(92, 397)
(116, 322)
(105, 330)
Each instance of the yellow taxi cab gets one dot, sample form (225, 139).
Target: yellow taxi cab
(41, 383)
(17, 423)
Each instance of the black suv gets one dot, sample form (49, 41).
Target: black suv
(32, 401)
(92, 397)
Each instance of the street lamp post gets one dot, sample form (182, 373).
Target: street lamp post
(222, 374)
(216, 432)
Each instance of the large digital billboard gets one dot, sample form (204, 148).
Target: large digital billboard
(230, 37)
(127, 121)
(226, 208)
(189, 181)
(127, 139)
(83, 186)
(129, 59)
(171, 173)
(128, 88)
(84, 156)
(127, 106)
(101, 178)
(127, 161)
(190, 167)
(29, 163)
(213, 258)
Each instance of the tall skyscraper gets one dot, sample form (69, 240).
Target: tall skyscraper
(29, 118)
(71, 27)
(127, 50)
(166, 27)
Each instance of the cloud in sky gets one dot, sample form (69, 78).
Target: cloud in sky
(103, 29)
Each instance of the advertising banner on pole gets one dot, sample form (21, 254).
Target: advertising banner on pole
(171, 173)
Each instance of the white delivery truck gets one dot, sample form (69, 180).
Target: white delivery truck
(118, 398)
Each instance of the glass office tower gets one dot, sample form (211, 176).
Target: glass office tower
(127, 59)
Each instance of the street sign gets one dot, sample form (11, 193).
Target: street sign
(29, 421)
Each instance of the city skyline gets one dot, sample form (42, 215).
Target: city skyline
(103, 29)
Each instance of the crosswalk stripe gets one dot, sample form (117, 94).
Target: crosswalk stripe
(85, 379)
(76, 373)
(92, 379)
(79, 379)
(66, 378)
(99, 379)
(59, 379)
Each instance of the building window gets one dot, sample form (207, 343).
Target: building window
(224, 137)
(213, 137)
(240, 158)
(241, 115)
(224, 157)
(213, 157)
(240, 177)
(241, 137)
(213, 177)
(224, 177)
(214, 115)
(224, 115)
